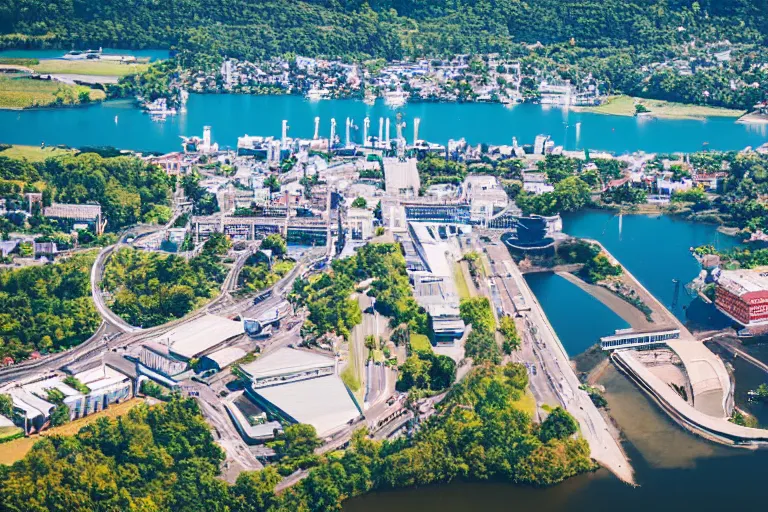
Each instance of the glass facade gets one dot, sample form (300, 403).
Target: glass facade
(638, 339)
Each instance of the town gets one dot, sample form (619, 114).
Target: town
(440, 237)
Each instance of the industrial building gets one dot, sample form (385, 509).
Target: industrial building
(196, 337)
(167, 356)
(742, 295)
(33, 404)
(299, 386)
(434, 287)
(76, 214)
(402, 177)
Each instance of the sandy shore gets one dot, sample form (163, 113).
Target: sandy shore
(629, 313)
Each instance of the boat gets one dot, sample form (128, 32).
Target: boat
(369, 99)
(159, 108)
(395, 98)
(82, 55)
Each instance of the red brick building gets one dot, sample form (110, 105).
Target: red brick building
(743, 296)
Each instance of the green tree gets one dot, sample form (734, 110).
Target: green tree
(275, 243)
(508, 329)
(254, 491)
(297, 441)
(359, 202)
(558, 425)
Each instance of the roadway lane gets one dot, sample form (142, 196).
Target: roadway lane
(555, 365)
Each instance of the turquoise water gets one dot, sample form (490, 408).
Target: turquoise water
(57, 54)
(567, 306)
(232, 115)
(655, 249)
(675, 470)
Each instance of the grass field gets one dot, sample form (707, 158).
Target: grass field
(527, 403)
(98, 68)
(625, 106)
(461, 283)
(18, 93)
(34, 153)
(16, 450)
(420, 342)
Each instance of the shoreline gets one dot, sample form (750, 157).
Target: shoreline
(624, 106)
(629, 313)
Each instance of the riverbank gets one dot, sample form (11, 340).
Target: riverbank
(34, 153)
(87, 67)
(629, 313)
(625, 106)
(25, 93)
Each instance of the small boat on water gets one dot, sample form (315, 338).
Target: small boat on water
(82, 54)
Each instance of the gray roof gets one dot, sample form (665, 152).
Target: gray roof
(286, 360)
(323, 402)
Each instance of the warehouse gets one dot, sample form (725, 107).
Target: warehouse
(197, 337)
(300, 386)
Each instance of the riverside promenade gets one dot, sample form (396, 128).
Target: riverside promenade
(518, 299)
(706, 372)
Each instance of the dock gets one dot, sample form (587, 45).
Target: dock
(709, 380)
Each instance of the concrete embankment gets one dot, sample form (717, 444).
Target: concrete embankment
(709, 427)
(629, 313)
(604, 448)
(709, 379)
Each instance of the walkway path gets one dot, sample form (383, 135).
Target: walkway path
(555, 364)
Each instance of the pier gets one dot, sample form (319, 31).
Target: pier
(712, 390)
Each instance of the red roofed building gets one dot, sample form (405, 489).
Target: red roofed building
(743, 296)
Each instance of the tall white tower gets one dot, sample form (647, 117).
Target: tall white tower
(317, 128)
(416, 123)
(333, 134)
(206, 138)
(346, 133)
(284, 136)
(386, 132)
(381, 129)
(366, 125)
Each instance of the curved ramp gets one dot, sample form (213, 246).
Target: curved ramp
(715, 428)
(709, 379)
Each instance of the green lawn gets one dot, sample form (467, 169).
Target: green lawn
(461, 283)
(34, 153)
(625, 106)
(527, 403)
(18, 93)
(86, 67)
(420, 342)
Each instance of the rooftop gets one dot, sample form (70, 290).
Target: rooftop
(323, 402)
(226, 356)
(197, 336)
(741, 282)
(100, 377)
(286, 360)
(73, 211)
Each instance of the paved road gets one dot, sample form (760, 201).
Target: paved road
(555, 365)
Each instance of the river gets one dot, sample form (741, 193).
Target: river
(152, 55)
(120, 124)
(674, 469)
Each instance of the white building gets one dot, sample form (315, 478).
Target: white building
(301, 387)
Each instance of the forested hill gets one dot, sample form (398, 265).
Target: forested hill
(380, 28)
